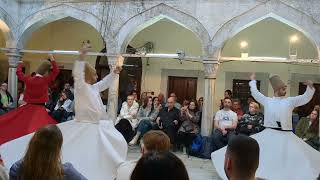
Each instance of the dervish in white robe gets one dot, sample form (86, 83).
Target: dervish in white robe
(90, 141)
(283, 155)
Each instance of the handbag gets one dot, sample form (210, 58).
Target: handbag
(187, 126)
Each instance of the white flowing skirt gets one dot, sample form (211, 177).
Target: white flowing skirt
(283, 155)
(95, 150)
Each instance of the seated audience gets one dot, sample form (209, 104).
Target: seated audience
(246, 106)
(6, 100)
(176, 104)
(142, 98)
(252, 122)
(3, 173)
(227, 94)
(168, 120)
(308, 129)
(147, 119)
(189, 128)
(225, 122)
(21, 102)
(317, 107)
(242, 158)
(200, 107)
(161, 100)
(185, 103)
(134, 93)
(156, 103)
(236, 107)
(127, 120)
(63, 108)
(43, 158)
(152, 141)
(159, 166)
(50, 104)
(67, 88)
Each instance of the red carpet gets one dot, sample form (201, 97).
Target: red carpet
(22, 121)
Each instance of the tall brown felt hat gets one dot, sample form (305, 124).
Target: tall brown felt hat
(277, 83)
(43, 68)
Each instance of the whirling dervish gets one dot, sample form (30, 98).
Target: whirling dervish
(28, 118)
(283, 155)
(91, 142)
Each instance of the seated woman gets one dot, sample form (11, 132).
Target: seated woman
(44, 151)
(156, 103)
(251, 122)
(190, 117)
(146, 116)
(308, 129)
(63, 108)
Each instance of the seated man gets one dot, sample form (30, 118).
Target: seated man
(176, 104)
(127, 120)
(236, 107)
(242, 158)
(168, 120)
(152, 141)
(225, 122)
(6, 100)
(63, 108)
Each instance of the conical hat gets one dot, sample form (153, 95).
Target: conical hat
(277, 83)
(44, 67)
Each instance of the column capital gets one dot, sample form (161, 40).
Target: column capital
(14, 57)
(210, 70)
(112, 61)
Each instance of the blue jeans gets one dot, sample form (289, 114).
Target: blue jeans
(144, 126)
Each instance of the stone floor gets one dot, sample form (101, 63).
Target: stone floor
(198, 169)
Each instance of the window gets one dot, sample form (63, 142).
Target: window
(241, 89)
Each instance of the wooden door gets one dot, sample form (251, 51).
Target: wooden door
(306, 109)
(184, 87)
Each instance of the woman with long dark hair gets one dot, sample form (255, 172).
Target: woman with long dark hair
(190, 116)
(308, 129)
(146, 117)
(43, 158)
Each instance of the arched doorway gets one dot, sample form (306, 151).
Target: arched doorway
(63, 34)
(130, 76)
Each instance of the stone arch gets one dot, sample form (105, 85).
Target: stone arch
(153, 15)
(6, 25)
(48, 15)
(274, 9)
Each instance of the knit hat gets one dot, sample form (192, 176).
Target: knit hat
(89, 71)
(277, 83)
(44, 67)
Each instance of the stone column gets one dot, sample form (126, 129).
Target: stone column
(14, 58)
(113, 92)
(210, 70)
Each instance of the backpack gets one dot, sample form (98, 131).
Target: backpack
(196, 144)
(202, 147)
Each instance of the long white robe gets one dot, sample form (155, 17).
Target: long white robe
(91, 142)
(279, 109)
(283, 155)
